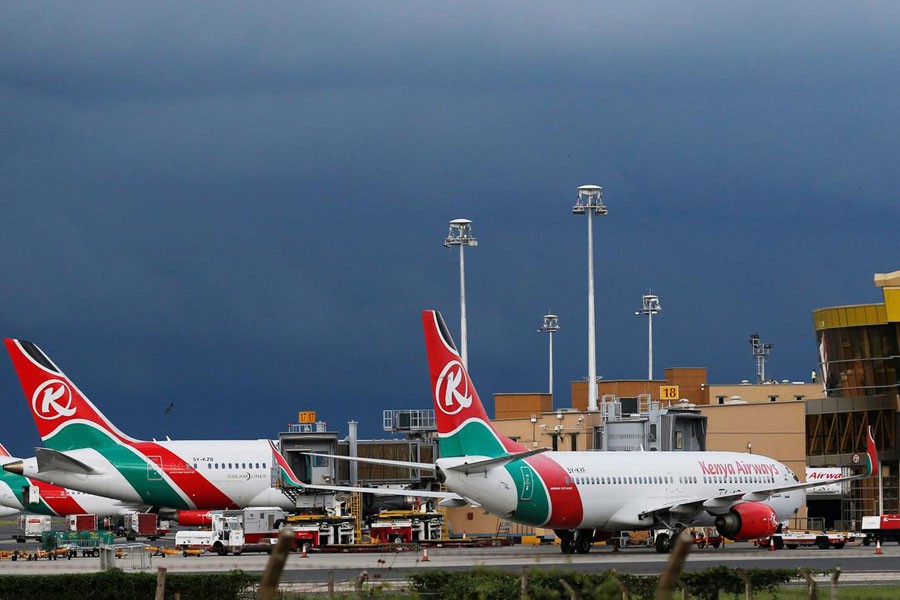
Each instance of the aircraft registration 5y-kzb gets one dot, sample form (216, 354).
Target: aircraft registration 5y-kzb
(84, 451)
(587, 496)
(19, 494)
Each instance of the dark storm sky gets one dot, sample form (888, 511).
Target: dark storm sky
(239, 207)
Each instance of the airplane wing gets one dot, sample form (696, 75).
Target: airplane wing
(377, 461)
(714, 504)
(385, 491)
(482, 466)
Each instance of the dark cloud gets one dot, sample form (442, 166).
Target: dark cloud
(240, 208)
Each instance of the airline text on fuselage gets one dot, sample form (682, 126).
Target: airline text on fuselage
(737, 468)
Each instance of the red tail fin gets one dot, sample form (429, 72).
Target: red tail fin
(454, 395)
(3, 451)
(871, 452)
(65, 418)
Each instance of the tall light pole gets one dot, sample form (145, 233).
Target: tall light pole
(461, 235)
(650, 307)
(760, 351)
(590, 201)
(550, 326)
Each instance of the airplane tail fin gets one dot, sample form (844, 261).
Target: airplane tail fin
(871, 454)
(65, 418)
(464, 428)
(286, 475)
(3, 451)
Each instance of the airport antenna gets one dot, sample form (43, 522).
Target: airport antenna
(760, 351)
(550, 326)
(590, 201)
(650, 307)
(461, 235)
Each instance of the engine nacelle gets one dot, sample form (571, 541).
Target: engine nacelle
(194, 518)
(748, 521)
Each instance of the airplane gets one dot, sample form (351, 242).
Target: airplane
(84, 451)
(586, 496)
(48, 499)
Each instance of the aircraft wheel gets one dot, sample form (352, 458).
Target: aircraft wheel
(566, 541)
(663, 543)
(583, 543)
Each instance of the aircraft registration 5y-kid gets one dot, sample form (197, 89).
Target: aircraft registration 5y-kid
(587, 496)
(84, 451)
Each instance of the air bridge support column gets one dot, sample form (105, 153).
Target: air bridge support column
(354, 466)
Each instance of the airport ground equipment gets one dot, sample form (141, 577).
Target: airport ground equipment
(820, 539)
(405, 526)
(146, 525)
(32, 527)
(318, 530)
(86, 543)
(225, 536)
(884, 528)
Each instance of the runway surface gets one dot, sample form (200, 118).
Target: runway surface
(857, 563)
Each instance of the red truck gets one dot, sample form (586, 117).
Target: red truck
(884, 528)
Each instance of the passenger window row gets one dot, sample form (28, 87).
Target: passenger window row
(242, 465)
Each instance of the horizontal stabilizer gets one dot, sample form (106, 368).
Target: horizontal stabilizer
(453, 503)
(483, 466)
(54, 460)
(377, 461)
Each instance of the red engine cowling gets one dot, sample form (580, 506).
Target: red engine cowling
(748, 521)
(194, 518)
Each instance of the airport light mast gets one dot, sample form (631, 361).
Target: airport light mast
(550, 326)
(590, 201)
(461, 235)
(760, 351)
(650, 307)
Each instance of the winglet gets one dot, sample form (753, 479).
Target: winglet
(287, 475)
(3, 451)
(871, 454)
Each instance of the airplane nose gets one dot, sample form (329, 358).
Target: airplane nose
(17, 467)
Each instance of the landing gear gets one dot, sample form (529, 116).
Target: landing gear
(584, 538)
(663, 543)
(566, 540)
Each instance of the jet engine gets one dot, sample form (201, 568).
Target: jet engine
(748, 521)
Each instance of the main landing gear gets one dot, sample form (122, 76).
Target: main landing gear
(578, 541)
(665, 539)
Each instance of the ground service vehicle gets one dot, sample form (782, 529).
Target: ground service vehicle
(225, 536)
(87, 543)
(794, 539)
(884, 528)
(321, 530)
(405, 526)
(144, 525)
(82, 522)
(32, 527)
